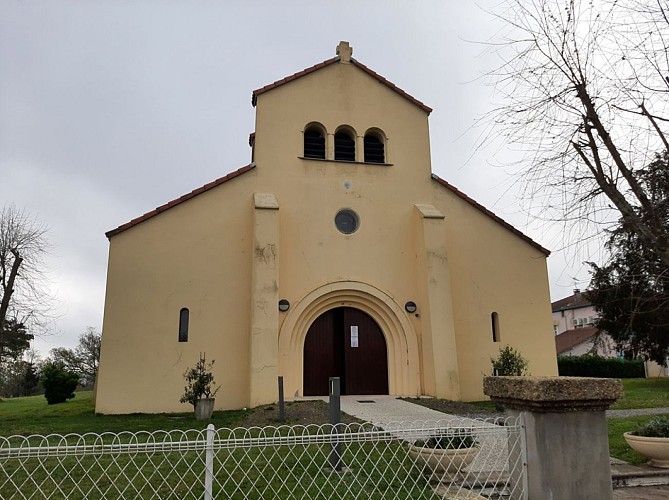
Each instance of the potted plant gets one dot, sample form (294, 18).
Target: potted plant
(446, 452)
(652, 441)
(199, 390)
(508, 363)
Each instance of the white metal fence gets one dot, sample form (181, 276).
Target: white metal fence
(288, 462)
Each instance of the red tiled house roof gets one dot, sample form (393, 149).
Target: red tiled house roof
(579, 299)
(572, 338)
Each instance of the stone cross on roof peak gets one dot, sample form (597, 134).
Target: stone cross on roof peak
(344, 51)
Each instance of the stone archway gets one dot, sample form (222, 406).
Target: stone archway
(401, 339)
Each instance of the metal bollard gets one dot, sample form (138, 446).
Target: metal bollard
(282, 405)
(335, 420)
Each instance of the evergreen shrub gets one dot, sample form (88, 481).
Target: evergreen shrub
(59, 384)
(590, 365)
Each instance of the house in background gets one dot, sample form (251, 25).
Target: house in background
(336, 252)
(575, 331)
(576, 334)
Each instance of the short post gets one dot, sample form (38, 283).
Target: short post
(335, 419)
(566, 436)
(209, 463)
(282, 405)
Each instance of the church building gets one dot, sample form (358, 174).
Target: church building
(335, 252)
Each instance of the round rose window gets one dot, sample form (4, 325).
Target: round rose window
(347, 221)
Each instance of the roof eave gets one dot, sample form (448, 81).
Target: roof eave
(490, 214)
(178, 201)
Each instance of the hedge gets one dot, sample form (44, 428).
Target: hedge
(590, 365)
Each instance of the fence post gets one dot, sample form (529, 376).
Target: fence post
(282, 405)
(335, 419)
(566, 436)
(209, 463)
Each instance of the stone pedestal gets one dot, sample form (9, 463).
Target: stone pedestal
(566, 436)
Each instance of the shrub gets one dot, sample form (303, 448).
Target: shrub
(657, 428)
(590, 365)
(509, 363)
(59, 384)
(199, 382)
(449, 439)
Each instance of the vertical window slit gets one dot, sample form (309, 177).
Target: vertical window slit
(494, 318)
(183, 325)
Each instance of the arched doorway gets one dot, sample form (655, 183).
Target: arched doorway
(345, 342)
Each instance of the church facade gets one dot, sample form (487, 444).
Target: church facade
(336, 252)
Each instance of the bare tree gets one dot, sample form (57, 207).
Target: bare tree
(24, 295)
(584, 88)
(83, 359)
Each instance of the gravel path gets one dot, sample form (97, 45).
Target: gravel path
(634, 413)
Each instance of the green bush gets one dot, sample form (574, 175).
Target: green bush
(509, 363)
(59, 384)
(590, 365)
(449, 439)
(656, 428)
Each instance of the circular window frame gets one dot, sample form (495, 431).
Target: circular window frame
(341, 226)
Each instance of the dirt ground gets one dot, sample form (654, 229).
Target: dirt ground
(316, 412)
(297, 413)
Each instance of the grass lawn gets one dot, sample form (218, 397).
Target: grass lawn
(618, 447)
(375, 469)
(32, 415)
(644, 393)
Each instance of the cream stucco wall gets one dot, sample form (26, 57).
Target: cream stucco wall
(458, 267)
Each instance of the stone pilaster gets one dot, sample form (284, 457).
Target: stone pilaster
(439, 358)
(264, 341)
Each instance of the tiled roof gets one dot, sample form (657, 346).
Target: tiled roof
(572, 338)
(328, 62)
(179, 200)
(490, 214)
(576, 301)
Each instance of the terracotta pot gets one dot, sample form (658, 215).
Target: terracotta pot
(657, 449)
(204, 408)
(443, 463)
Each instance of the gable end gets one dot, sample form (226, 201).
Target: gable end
(180, 200)
(490, 214)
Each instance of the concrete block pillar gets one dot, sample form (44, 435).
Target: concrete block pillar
(264, 355)
(439, 359)
(566, 436)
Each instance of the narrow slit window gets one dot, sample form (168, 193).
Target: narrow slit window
(374, 149)
(314, 143)
(183, 325)
(344, 147)
(494, 319)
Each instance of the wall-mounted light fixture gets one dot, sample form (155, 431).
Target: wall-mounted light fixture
(410, 307)
(284, 305)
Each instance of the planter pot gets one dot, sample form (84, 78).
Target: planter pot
(204, 408)
(657, 449)
(444, 464)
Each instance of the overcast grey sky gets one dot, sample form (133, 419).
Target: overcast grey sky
(111, 108)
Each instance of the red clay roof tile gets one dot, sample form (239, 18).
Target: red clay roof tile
(575, 301)
(572, 338)
(490, 214)
(179, 200)
(359, 65)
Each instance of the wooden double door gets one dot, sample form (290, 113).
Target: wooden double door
(347, 343)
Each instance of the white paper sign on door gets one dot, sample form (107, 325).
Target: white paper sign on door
(354, 336)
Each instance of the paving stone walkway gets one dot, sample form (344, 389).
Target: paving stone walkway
(383, 409)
